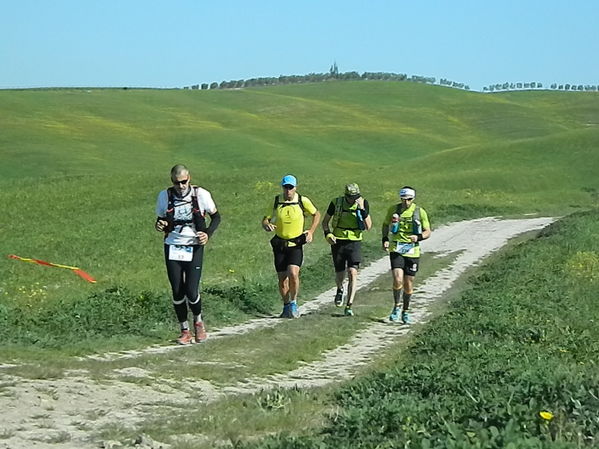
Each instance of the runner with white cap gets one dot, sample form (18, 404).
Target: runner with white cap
(409, 225)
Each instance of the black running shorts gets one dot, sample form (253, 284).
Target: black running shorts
(294, 255)
(346, 254)
(409, 265)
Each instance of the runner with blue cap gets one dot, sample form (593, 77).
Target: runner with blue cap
(286, 218)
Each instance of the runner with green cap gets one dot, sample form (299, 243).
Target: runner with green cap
(346, 219)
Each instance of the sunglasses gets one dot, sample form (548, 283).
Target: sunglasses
(288, 186)
(407, 199)
(181, 183)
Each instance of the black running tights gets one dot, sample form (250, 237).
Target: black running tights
(185, 282)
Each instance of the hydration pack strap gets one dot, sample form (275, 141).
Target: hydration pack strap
(416, 222)
(197, 217)
(278, 203)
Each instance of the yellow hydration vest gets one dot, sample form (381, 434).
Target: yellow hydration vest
(345, 221)
(288, 216)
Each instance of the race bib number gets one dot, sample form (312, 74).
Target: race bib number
(180, 252)
(405, 248)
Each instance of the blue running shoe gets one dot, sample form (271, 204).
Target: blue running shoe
(405, 318)
(293, 310)
(348, 311)
(394, 314)
(286, 311)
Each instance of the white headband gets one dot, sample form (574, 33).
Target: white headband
(407, 193)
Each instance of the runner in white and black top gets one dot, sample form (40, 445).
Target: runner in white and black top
(181, 211)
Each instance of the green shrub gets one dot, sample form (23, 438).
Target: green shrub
(112, 312)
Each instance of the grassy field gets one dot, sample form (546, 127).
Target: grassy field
(81, 170)
(514, 364)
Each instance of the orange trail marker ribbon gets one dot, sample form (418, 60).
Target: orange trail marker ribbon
(78, 271)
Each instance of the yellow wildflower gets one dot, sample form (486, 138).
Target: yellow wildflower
(548, 416)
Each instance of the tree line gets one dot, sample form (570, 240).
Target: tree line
(537, 85)
(332, 75)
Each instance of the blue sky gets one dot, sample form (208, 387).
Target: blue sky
(176, 43)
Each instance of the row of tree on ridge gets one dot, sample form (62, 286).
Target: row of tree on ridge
(382, 76)
(332, 75)
(536, 85)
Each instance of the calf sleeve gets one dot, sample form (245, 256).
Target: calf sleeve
(406, 300)
(397, 297)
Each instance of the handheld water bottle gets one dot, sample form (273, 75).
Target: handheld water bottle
(360, 219)
(394, 223)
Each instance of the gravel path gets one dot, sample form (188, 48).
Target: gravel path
(61, 413)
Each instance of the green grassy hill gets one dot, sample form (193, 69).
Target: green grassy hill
(81, 170)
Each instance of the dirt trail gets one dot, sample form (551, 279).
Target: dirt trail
(63, 412)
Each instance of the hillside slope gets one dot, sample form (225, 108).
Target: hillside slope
(81, 169)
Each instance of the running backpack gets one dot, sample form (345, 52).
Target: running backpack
(416, 222)
(299, 203)
(337, 216)
(197, 217)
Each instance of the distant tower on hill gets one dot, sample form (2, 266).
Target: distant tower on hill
(334, 70)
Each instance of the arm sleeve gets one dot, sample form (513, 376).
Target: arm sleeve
(331, 209)
(214, 222)
(367, 207)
